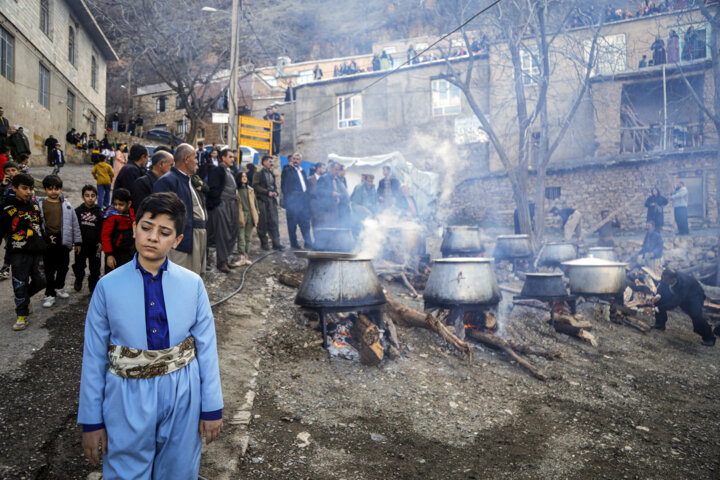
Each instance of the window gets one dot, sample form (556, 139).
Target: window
(45, 16)
(610, 54)
(44, 86)
(306, 76)
(93, 72)
(71, 45)
(178, 102)
(553, 193)
(181, 127)
(160, 104)
(7, 51)
(349, 111)
(445, 98)
(692, 43)
(529, 66)
(70, 103)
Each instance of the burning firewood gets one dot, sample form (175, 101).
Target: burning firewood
(408, 317)
(365, 337)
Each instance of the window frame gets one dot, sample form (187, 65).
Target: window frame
(442, 100)
(70, 105)
(72, 45)
(161, 101)
(610, 54)
(7, 54)
(45, 17)
(181, 127)
(531, 72)
(93, 72)
(354, 120)
(44, 87)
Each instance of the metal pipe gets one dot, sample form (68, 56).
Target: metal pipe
(664, 109)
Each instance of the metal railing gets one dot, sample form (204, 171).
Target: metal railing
(662, 137)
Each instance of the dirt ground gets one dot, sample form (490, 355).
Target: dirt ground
(639, 406)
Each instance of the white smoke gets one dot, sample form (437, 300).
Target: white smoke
(376, 231)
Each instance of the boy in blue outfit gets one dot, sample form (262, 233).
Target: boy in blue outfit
(150, 385)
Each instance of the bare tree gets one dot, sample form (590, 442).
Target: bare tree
(536, 32)
(183, 46)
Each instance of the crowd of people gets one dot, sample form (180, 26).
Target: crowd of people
(592, 15)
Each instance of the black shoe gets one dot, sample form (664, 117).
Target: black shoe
(77, 285)
(265, 247)
(717, 331)
(709, 342)
(296, 246)
(279, 248)
(657, 326)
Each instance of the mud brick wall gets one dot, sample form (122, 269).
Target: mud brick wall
(593, 189)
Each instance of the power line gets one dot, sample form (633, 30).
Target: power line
(407, 62)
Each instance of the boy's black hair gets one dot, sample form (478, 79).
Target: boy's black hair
(10, 164)
(52, 181)
(23, 179)
(89, 188)
(23, 157)
(122, 194)
(265, 157)
(167, 203)
(136, 152)
(4, 148)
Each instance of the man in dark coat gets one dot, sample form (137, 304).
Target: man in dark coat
(50, 143)
(19, 144)
(333, 201)
(277, 120)
(161, 162)
(223, 209)
(267, 194)
(133, 169)
(684, 291)
(388, 186)
(191, 251)
(296, 200)
(4, 127)
(652, 249)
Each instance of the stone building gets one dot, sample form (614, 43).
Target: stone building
(53, 58)
(161, 108)
(635, 128)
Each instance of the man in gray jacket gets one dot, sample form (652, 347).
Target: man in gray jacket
(680, 204)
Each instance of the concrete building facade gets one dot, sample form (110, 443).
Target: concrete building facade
(53, 73)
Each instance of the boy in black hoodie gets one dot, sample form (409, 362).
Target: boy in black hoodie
(21, 223)
(90, 216)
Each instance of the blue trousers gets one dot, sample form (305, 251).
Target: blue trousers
(103, 195)
(152, 426)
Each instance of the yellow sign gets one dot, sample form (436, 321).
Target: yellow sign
(255, 133)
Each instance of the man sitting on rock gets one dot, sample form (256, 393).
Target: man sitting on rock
(652, 249)
(684, 291)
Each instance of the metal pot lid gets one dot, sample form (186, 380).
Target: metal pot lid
(543, 275)
(464, 260)
(515, 237)
(312, 255)
(593, 262)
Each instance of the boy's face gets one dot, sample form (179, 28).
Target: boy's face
(89, 197)
(120, 206)
(53, 192)
(10, 172)
(155, 237)
(23, 192)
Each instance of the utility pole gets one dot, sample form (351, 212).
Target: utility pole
(233, 134)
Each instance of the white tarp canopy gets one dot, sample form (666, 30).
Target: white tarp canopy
(424, 185)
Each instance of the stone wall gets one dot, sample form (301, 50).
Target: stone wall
(591, 189)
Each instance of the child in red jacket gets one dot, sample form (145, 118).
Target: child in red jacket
(117, 233)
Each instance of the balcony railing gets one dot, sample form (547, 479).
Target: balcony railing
(658, 137)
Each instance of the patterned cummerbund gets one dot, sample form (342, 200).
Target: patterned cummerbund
(129, 362)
